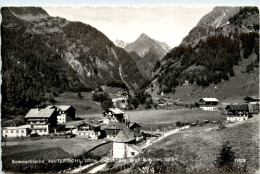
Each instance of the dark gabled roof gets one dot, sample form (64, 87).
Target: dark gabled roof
(65, 107)
(133, 123)
(125, 135)
(61, 107)
(238, 107)
(40, 113)
(161, 99)
(114, 125)
(252, 98)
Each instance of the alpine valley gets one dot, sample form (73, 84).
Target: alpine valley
(75, 102)
(43, 54)
(218, 57)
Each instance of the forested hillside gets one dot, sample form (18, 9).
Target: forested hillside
(30, 70)
(43, 56)
(212, 59)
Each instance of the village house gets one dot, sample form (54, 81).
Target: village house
(113, 128)
(237, 112)
(114, 115)
(208, 104)
(89, 129)
(20, 131)
(42, 121)
(124, 95)
(136, 128)
(119, 103)
(124, 145)
(65, 113)
(162, 102)
(252, 99)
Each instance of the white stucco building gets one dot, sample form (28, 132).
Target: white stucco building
(20, 131)
(124, 145)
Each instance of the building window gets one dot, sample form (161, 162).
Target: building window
(22, 131)
(12, 131)
(6, 131)
(17, 131)
(132, 153)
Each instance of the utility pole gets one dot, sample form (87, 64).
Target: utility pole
(5, 140)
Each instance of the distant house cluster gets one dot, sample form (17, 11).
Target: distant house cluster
(121, 101)
(115, 126)
(234, 112)
(53, 119)
(42, 121)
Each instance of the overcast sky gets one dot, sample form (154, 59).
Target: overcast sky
(165, 24)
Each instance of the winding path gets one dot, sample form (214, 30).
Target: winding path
(165, 134)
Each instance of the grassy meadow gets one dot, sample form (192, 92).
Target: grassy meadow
(168, 117)
(73, 146)
(46, 149)
(199, 147)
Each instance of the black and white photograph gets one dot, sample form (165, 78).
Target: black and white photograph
(130, 89)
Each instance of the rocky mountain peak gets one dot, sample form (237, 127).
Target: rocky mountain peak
(224, 20)
(120, 43)
(144, 36)
(28, 13)
(146, 51)
(218, 16)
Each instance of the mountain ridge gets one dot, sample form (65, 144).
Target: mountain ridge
(85, 51)
(211, 51)
(146, 51)
(218, 21)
